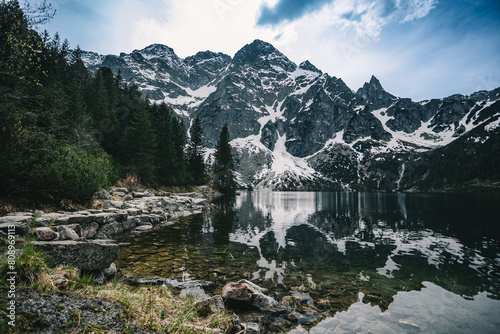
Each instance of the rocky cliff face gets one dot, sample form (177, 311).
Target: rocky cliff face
(295, 127)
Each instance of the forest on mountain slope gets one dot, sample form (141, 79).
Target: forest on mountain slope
(65, 132)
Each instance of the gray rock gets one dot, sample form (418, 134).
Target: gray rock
(138, 194)
(53, 218)
(250, 294)
(119, 194)
(20, 222)
(144, 228)
(45, 234)
(111, 271)
(169, 204)
(68, 205)
(102, 194)
(103, 217)
(80, 218)
(86, 231)
(67, 233)
(200, 201)
(109, 204)
(38, 213)
(95, 255)
(209, 306)
(132, 212)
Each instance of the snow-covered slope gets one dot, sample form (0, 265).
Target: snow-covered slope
(295, 127)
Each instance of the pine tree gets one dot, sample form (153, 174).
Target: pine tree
(223, 165)
(171, 166)
(139, 143)
(195, 152)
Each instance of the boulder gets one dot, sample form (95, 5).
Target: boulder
(20, 222)
(95, 255)
(209, 306)
(68, 205)
(80, 217)
(103, 217)
(109, 204)
(102, 194)
(247, 294)
(121, 190)
(106, 274)
(53, 218)
(67, 233)
(200, 201)
(111, 271)
(138, 194)
(144, 228)
(45, 234)
(87, 231)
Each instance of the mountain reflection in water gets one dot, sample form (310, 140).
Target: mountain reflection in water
(337, 257)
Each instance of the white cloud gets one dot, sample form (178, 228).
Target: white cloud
(218, 25)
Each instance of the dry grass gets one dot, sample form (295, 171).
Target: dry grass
(157, 309)
(131, 182)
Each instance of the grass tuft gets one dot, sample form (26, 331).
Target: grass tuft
(157, 309)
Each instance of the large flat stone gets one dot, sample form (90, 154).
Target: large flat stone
(20, 222)
(95, 255)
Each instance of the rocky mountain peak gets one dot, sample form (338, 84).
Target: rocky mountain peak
(157, 51)
(204, 56)
(262, 54)
(373, 93)
(306, 65)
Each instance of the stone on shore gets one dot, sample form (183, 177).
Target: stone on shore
(90, 255)
(209, 306)
(20, 221)
(45, 234)
(247, 294)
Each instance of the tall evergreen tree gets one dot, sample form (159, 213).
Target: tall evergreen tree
(170, 159)
(195, 152)
(139, 143)
(224, 179)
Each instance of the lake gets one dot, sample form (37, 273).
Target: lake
(344, 262)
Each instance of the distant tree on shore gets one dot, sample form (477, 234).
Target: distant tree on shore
(223, 168)
(195, 152)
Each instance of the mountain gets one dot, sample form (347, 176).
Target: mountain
(295, 127)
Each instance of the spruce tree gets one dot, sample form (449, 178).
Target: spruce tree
(195, 152)
(171, 166)
(139, 143)
(223, 167)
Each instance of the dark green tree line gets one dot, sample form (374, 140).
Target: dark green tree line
(65, 132)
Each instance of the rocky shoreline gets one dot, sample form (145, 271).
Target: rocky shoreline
(84, 238)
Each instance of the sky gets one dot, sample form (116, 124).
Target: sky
(420, 49)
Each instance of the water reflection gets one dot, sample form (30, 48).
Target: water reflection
(330, 254)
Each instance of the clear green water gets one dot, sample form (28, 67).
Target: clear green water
(345, 262)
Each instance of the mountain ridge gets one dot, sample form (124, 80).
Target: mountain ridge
(295, 127)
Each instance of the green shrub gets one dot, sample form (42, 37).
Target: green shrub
(73, 173)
